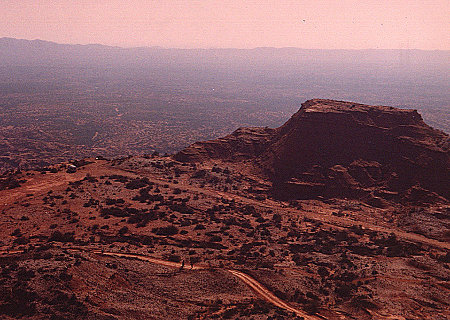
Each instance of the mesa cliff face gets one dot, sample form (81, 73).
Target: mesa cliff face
(342, 149)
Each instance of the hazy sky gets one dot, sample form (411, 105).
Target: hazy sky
(347, 24)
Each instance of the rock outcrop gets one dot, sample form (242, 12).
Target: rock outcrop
(342, 149)
(244, 143)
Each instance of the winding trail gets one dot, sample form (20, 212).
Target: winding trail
(267, 295)
(148, 259)
(248, 280)
(257, 287)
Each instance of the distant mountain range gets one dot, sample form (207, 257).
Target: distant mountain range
(24, 52)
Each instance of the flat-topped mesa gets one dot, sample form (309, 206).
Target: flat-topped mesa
(337, 132)
(342, 149)
(380, 116)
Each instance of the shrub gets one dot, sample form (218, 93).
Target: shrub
(174, 258)
(137, 183)
(58, 236)
(199, 174)
(90, 178)
(166, 231)
(109, 201)
(277, 218)
(215, 238)
(114, 211)
(181, 208)
(21, 240)
(9, 183)
(123, 230)
(119, 178)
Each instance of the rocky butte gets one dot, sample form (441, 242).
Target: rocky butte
(341, 149)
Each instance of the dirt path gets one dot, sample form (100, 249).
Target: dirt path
(269, 296)
(257, 287)
(150, 259)
(248, 280)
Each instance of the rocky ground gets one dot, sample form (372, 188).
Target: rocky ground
(328, 258)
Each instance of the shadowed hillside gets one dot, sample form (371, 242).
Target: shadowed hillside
(342, 149)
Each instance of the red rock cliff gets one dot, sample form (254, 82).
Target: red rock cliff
(342, 149)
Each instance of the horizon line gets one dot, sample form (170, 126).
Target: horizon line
(215, 48)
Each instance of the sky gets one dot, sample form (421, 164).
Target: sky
(315, 24)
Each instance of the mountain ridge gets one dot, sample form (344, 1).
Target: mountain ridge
(37, 40)
(29, 52)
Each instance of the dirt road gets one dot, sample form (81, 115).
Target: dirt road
(248, 280)
(251, 282)
(269, 296)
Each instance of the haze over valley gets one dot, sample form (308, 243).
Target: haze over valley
(60, 102)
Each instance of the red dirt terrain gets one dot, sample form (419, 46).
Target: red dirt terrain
(262, 224)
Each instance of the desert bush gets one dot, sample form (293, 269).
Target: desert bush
(166, 231)
(344, 290)
(199, 174)
(17, 301)
(142, 218)
(174, 258)
(144, 196)
(119, 178)
(22, 240)
(109, 201)
(323, 272)
(137, 183)
(25, 275)
(364, 302)
(58, 236)
(276, 218)
(91, 203)
(90, 178)
(115, 211)
(181, 208)
(215, 238)
(123, 230)
(9, 183)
